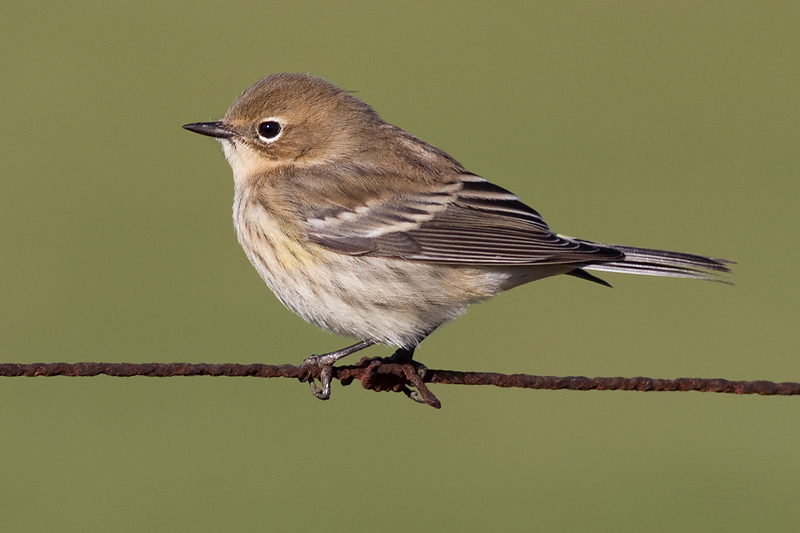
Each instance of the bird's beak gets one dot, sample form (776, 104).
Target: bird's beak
(212, 129)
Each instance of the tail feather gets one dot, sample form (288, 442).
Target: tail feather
(662, 263)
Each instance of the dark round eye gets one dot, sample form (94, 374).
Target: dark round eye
(269, 130)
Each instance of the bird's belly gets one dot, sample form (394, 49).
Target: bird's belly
(395, 302)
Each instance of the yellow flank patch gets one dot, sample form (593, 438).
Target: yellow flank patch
(275, 242)
(287, 250)
(290, 253)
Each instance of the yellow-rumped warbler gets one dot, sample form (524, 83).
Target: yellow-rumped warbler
(366, 231)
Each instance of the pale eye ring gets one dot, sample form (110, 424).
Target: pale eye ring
(269, 130)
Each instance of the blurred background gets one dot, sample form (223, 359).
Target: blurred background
(670, 125)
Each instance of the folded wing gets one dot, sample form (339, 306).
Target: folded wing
(467, 222)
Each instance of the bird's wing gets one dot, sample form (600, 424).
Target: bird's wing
(468, 221)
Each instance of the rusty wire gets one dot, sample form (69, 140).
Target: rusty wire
(382, 375)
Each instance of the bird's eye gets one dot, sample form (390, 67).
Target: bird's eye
(269, 130)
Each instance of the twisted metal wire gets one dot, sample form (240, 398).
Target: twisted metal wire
(381, 375)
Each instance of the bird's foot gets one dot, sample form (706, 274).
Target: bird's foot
(325, 376)
(325, 364)
(396, 373)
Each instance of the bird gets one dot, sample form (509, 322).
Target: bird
(368, 232)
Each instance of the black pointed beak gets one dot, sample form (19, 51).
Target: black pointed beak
(212, 129)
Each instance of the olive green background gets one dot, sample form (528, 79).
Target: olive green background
(662, 124)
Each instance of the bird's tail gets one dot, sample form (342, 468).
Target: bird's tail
(662, 263)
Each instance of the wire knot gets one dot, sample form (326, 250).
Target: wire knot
(388, 375)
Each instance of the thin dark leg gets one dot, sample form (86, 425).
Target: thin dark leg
(402, 356)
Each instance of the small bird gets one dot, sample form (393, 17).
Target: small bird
(368, 232)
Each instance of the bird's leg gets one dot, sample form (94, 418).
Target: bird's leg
(325, 363)
(405, 356)
(401, 356)
(327, 359)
